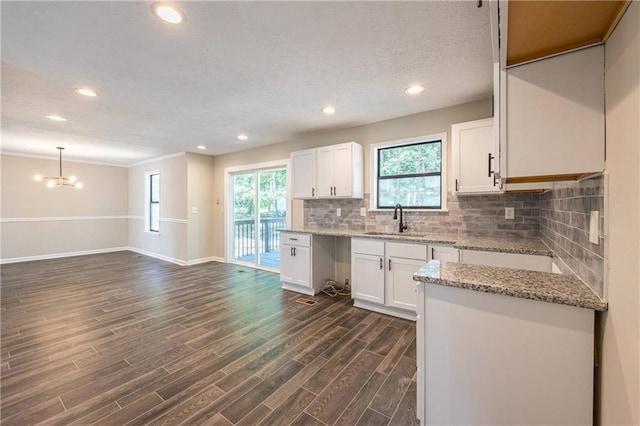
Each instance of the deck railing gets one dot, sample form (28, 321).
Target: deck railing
(244, 233)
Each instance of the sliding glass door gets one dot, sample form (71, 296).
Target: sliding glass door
(259, 210)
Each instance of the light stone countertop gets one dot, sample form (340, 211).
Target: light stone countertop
(405, 236)
(505, 245)
(534, 285)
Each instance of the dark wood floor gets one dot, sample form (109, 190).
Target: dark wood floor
(121, 338)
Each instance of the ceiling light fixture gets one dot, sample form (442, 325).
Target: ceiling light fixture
(328, 110)
(201, 147)
(243, 137)
(86, 92)
(59, 180)
(415, 89)
(168, 13)
(56, 118)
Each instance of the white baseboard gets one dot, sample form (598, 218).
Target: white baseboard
(205, 260)
(60, 255)
(158, 256)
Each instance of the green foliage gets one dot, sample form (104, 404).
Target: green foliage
(273, 194)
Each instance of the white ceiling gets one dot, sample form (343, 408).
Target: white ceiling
(261, 68)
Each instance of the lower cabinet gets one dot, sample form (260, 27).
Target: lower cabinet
(498, 360)
(382, 275)
(306, 261)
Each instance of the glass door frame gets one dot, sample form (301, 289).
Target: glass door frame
(229, 172)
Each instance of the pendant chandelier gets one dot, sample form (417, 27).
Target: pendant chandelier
(52, 182)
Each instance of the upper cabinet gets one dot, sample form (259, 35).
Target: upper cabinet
(476, 157)
(549, 105)
(303, 169)
(555, 117)
(328, 172)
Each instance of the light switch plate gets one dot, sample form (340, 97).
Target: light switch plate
(594, 221)
(509, 213)
(194, 210)
(363, 211)
(338, 211)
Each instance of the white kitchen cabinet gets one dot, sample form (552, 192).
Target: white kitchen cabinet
(554, 117)
(303, 174)
(306, 261)
(340, 171)
(443, 252)
(507, 260)
(493, 359)
(476, 157)
(382, 275)
(367, 271)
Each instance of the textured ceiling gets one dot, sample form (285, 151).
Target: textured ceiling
(260, 68)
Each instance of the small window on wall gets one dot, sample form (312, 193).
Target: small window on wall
(410, 173)
(153, 202)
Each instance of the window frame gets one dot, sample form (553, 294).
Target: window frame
(149, 202)
(374, 158)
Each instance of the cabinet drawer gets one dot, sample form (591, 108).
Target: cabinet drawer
(408, 251)
(303, 240)
(367, 246)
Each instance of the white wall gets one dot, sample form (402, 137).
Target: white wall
(171, 242)
(620, 368)
(40, 222)
(200, 184)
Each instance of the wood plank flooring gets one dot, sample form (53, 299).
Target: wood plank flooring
(120, 338)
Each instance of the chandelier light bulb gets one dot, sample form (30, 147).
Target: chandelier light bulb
(51, 183)
(78, 185)
(38, 178)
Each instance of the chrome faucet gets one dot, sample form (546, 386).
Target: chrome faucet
(401, 225)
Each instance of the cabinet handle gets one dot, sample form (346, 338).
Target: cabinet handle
(381, 264)
(313, 192)
(490, 157)
(294, 251)
(331, 190)
(432, 251)
(389, 264)
(456, 185)
(334, 191)
(293, 239)
(291, 251)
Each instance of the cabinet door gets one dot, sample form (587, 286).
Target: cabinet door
(343, 171)
(287, 266)
(444, 253)
(475, 157)
(367, 273)
(302, 266)
(325, 172)
(303, 172)
(401, 288)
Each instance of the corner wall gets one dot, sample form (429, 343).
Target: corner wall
(620, 368)
(40, 222)
(200, 209)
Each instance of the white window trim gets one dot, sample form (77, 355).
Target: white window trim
(147, 201)
(373, 161)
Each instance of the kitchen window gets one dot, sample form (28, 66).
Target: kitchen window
(153, 201)
(411, 173)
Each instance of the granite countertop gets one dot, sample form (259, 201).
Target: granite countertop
(505, 245)
(420, 237)
(542, 286)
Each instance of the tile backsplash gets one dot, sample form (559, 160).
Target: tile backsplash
(559, 217)
(564, 226)
(478, 215)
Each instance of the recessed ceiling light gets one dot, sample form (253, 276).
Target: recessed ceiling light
(415, 89)
(328, 110)
(56, 118)
(243, 137)
(168, 13)
(201, 147)
(86, 92)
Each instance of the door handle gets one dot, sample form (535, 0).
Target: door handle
(381, 264)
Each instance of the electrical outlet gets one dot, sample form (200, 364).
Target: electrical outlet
(338, 211)
(509, 213)
(363, 211)
(593, 227)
